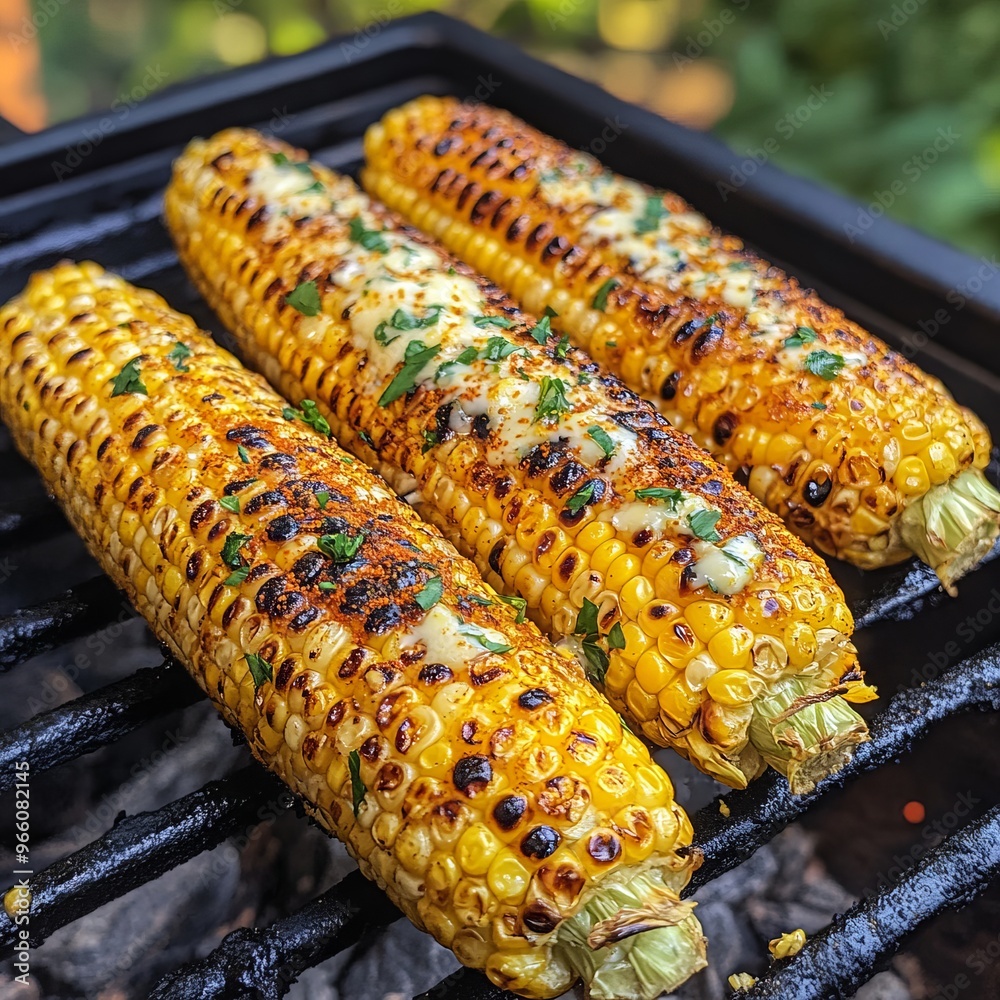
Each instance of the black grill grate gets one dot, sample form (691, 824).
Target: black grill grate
(109, 210)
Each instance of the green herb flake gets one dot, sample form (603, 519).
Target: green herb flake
(552, 401)
(581, 497)
(416, 357)
(339, 547)
(304, 298)
(128, 380)
(498, 348)
(824, 364)
(231, 549)
(260, 669)
(601, 298)
(522, 374)
(603, 439)
(430, 440)
(802, 335)
(519, 604)
(819, 406)
(562, 347)
(230, 503)
(310, 416)
(484, 321)
(302, 166)
(430, 594)
(370, 239)
(586, 620)
(653, 214)
(315, 188)
(178, 354)
(476, 634)
(703, 523)
(661, 493)
(583, 379)
(403, 320)
(597, 663)
(322, 498)
(243, 453)
(326, 585)
(367, 438)
(616, 637)
(237, 576)
(357, 785)
(542, 330)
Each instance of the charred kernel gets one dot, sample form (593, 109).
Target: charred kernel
(269, 498)
(282, 528)
(435, 673)
(509, 810)
(469, 730)
(669, 388)
(642, 538)
(687, 330)
(405, 735)
(496, 554)
(534, 698)
(278, 460)
(240, 484)
(303, 619)
(705, 342)
(555, 248)
(308, 567)
(817, 492)
(471, 190)
(541, 917)
(201, 514)
(540, 842)
(194, 564)
(269, 593)
(722, 429)
(481, 426)
(382, 620)
(604, 846)
(370, 748)
(472, 774)
(539, 235)
(290, 602)
(570, 475)
(713, 487)
(518, 228)
(389, 778)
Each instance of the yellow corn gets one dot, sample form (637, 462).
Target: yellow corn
(366, 662)
(626, 542)
(860, 452)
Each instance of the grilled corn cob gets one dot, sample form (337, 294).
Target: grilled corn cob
(860, 452)
(720, 633)
(496, 799)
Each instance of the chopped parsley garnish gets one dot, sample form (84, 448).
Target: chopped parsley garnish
(380, 335)
(522, 374)
(601, 298)
(562, 347)
(231, 549)
(260, 669)
(326, 585)
(654, 212)
(549, 312)
(802, 335)
(370, 239)
(603, 439)
(430, 594)
(339, 547)
(669, 497)
(498, 348)
(322, 498)
(824, 364)
(542, 330)
(403, 320)
(616, 637)
(519, 604)
(305, 298)
(127, 380)
(417, 355)
(310, 416)
(596, 656)
(430, 439)
(237, 576)
(477, 634)
(357, 785)
(703, 523)
(484, 321)
(243, 453)
(581, 498)
(281, 160)
(552, 399)
(476, 599)
(230, 503)
(583, 379)
(179, 353)
(367, 438)
(315, 188)
(819, 406)
(586, 620)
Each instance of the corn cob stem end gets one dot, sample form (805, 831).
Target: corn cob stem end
(952, 526)
(805, 733)
(633, 939)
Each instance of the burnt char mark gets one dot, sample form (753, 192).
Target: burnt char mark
(435, 673)
(534, 698)
(235, 487)
(540, 843)
(604, 847)
(352, 662)
(496, 554)
(509, 810)
(201, 514)
(250, 436)
(269, 498)
(80, 355)
(669, 388)
(282, 528)
(541, 917)
(543, 457)
(303, 619)
(448, 143)
(308, 567)
(194, 564)
(212, 397)
(104, 445)
(335, 525)
(481, 426)
(816, 492)
(383, 619)
(279, 460)
(517, 229)
(538, 236)
(472, 774)
(555, 248)
(267, 596)
(722, 429)
(568, 477)
(258, 217)
(484, 206)
(706, 343)
(713, 487)
(687, 330)
(469, 730)
(303, 490)
(486, 676)
(291, 602)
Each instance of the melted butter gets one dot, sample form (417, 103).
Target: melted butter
(448, 640)
(729, 567)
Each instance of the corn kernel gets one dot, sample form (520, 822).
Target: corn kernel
(939, 461)
(594, 534)
(800, 641)
(606, 553)
(679, 703)
(633, 590)
(642, 704)
(781, 449)
(731, 647)
(507, 878)
(653, 672)
(636, 643)
(911, 477)
(476, 849)
(679, 643)
(734, 687)
(706, 618)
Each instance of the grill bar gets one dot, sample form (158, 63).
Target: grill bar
(95, 719)
(81, 610)
(767, 806)
(261, 963)
(843, 956)
(466, 984)
(140, 848)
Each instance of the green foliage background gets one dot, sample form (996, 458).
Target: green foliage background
(897, 72)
